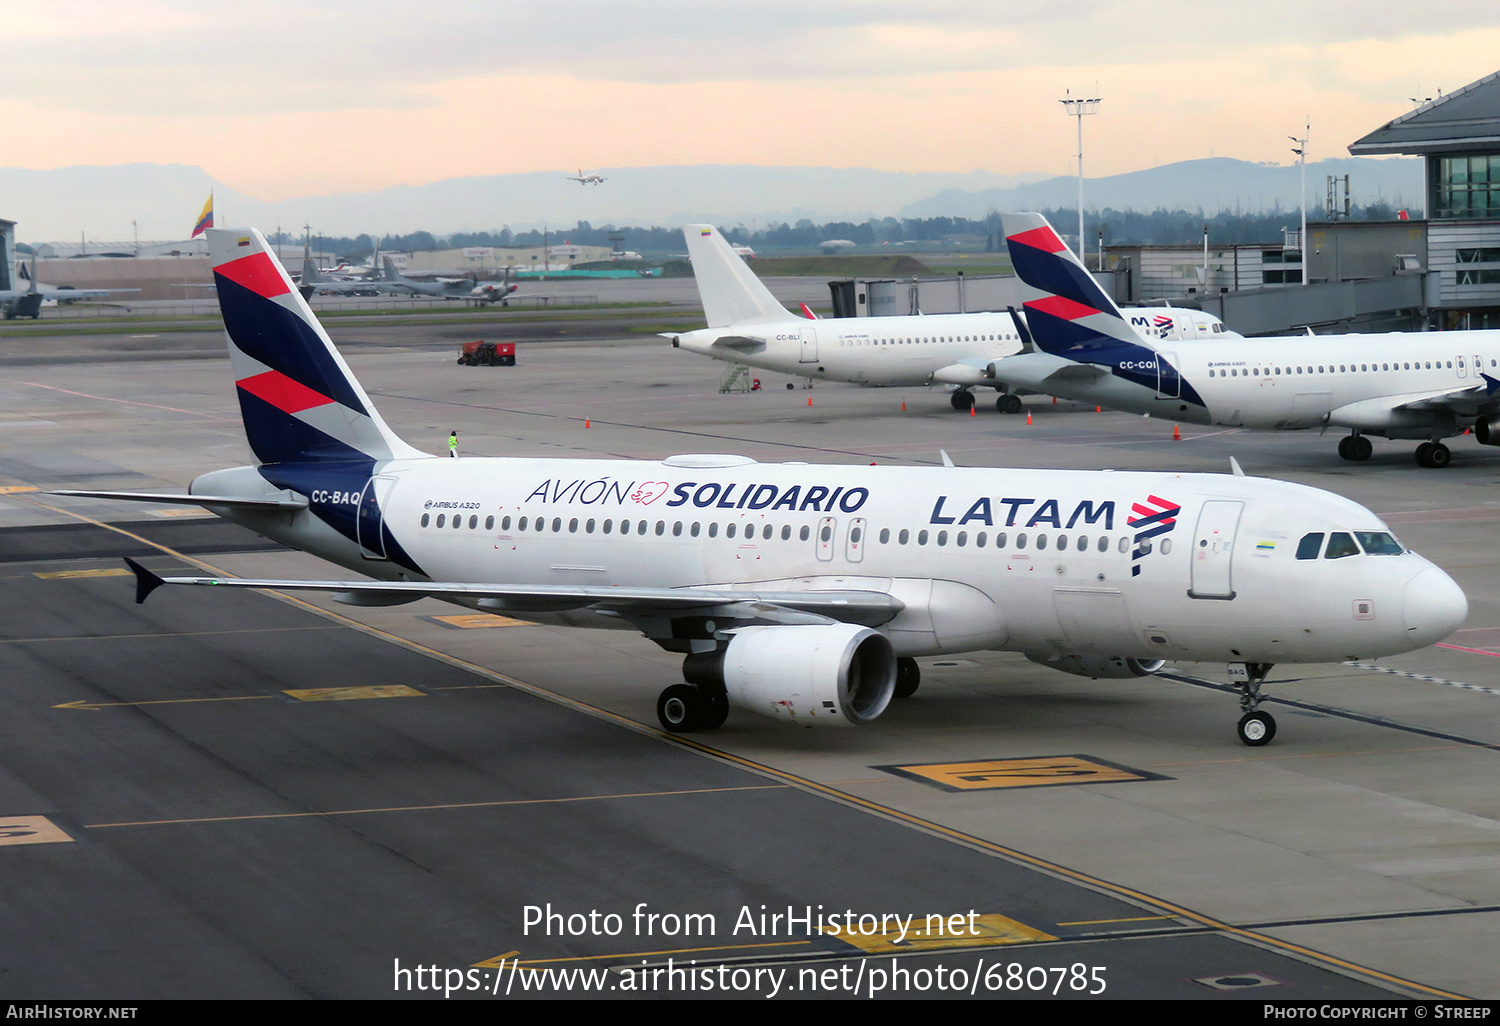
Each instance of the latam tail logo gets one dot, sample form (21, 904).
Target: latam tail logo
(1075, 316)
(1156, 516)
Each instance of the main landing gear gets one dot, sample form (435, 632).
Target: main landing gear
(1355, 447)
(684, 708)
(1256, 728)
(1433, 454)
(963, 401)
(908, 677)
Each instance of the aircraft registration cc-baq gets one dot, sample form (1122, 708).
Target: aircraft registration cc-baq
(1423, 385)
(799, 591)
(747, 325)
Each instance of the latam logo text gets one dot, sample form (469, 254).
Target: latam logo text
(1046, 513)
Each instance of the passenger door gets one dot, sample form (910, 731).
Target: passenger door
(1213, 550)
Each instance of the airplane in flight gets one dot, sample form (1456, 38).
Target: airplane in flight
(747, 325)
(583, 179)
(1412, 385)
(802, 592)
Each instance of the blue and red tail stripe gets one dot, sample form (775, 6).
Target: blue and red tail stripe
(299, 400)
(1075, 318)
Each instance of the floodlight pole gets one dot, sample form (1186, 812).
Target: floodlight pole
(1301, 151)
(1077, 108)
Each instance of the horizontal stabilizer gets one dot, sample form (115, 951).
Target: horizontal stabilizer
(183, 499)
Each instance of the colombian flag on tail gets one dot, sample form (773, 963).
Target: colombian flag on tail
(205, 219)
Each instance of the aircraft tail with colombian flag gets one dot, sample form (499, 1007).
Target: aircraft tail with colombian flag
(205, 219)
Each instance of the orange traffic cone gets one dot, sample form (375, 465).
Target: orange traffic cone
(903, 405)
(1098, 409)
(971, 412)
(1028, 418)
(585, 422)
(809, 400)
(1176, 434)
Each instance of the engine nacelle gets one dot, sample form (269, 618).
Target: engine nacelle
(1487, 430)
(1098, 666)
(828, 675)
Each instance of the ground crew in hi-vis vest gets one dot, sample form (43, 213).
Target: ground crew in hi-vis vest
(453, 444)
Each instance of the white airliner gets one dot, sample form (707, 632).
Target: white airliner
(802, 592)
(583, 179)
(747, 325)
(1422, 385)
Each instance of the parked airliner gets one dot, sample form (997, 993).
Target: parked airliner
(1423, 385)
(802, 592)
(747, 325)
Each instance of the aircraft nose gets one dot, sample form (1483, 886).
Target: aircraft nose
(1434, 607)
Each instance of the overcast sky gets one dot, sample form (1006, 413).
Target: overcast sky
(302, 97)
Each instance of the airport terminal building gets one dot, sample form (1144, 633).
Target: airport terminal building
(1458, 136)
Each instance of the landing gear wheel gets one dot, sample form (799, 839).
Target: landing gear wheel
(680, 709)
(1344, 447)
(715, 709)
(1257, 728)
(1009, 403)
(1433, 454)
(908, 677)
(1360, 448)
(962, 400)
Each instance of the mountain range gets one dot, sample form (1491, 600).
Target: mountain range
(118, 203)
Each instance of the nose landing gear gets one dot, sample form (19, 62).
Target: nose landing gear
(1256, 728)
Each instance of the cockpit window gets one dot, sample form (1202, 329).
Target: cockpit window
(1310, 545)
(1378, 543)
(1340, 545)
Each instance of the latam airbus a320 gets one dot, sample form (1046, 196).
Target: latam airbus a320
(801, 592)
(1423, 385)
(747, 325)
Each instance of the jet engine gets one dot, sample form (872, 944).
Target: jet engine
(1098, 666)
(1487, 430)
(816, 675)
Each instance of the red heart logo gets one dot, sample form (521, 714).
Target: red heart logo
(649, 492)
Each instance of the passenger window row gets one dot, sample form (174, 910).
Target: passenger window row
(1019, 541)
(572, 525)
(1343, 368)
(660, 528)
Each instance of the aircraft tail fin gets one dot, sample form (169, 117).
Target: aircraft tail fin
(299, 400)
(729, 290)
(388, 270)
(310, 273)
(1075, 317)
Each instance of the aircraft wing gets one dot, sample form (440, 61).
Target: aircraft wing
(865, 607)
(1469, 401)
(67, 294)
